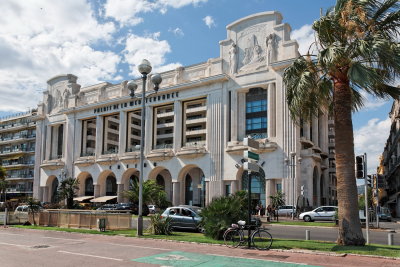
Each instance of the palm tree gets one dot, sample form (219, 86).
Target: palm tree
(3, 183)
(152, 193)
(67, 190)
(33, 206)
(356, 49)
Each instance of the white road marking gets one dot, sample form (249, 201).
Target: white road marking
(69, 239)
(133, 246)
(16, 245)
(257, 259)
(11, 234)
(89, 255)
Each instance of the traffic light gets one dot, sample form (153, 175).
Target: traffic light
(369, 180)
(360, 167)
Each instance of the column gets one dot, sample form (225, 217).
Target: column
(148, 136)
(175, 193)
(269, 190)
(234, 188)
(120, 195)
(99, 135)
(69, 143)
(178, 125)
(241, 110)
(208, 200)
(48, 142)
(122, 133)
(45, 193)
(234, 116)
(96, 190)
(271, 110)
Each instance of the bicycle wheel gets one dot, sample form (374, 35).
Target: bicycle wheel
(232, 238)
(261, 239)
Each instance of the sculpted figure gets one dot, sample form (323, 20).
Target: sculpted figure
(65, 98)
(270, 51)
(178, 75)
(232, 58)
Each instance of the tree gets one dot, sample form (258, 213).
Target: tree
(356, 50)
(33, 207)
(278, 199)
(361, 200)
(67, 190)
(152, 194)
(3, 183)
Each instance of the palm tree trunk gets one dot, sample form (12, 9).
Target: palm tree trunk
(350, 232)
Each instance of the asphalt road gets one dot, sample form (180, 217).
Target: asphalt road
(24, 247)
(328, 233)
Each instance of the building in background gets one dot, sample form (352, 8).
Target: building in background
(391, 162)
(195, 126)
(17, 153)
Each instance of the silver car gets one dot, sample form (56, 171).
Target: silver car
(323, 213)
(183, 217)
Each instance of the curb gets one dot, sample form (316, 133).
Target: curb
(311, 252)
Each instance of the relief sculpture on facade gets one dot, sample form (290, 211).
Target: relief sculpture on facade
(232, 58)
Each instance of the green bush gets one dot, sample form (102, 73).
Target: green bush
(160, 225)
(222, 212)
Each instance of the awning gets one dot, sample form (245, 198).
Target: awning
(393, 198)
(103, 199)
(79, 199)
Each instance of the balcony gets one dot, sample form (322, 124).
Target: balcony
(196, 109)
(196, 132)
(165, 136)
(165, 125)
(237, 147)
(196, 121)
(161, 152)
(18, 164)
(17, 151)
(17, 126)
(131, 155)
(86, 158)
(193, 149)
(165, 114)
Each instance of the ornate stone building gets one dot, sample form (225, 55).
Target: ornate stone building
(195, 127)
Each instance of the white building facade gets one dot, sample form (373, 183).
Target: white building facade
(195, 127)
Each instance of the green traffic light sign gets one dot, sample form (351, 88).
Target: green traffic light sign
(251, 155)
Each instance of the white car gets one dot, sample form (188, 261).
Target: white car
(153, 209)
(286, 210)
(323, 213)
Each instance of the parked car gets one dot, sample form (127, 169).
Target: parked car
(153, 209)
(24, 209)
(124, 206)
(286, 210)
(183, 217)
(323, 213)
(108, 207)
(384, 214)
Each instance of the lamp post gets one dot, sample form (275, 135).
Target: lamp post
(144, 69)
(292, 165)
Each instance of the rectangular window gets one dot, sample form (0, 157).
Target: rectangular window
(133, 131)
(227, 189)
(256, 106)
(111, 134)
(278, 187)
(256, 123)
(88, 137)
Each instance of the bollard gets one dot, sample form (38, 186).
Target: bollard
(5, 216)
(307, 234)
(390, 239)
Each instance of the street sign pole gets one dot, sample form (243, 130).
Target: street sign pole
(366, 198)
(250, 167)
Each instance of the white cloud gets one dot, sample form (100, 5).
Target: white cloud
(126, 12)
(371, 102)
(304, 37)
(42, 38)
(371, 139)
(177, 32)
(209, 21)
(137, 48)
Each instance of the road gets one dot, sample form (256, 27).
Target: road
(24, 247)
(327, 233)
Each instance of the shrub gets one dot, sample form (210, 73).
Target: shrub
(160, 225)
(222, 212)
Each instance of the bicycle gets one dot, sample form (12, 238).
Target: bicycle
(261, 239)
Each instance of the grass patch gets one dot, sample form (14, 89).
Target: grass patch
(374, 249)
(302, 223)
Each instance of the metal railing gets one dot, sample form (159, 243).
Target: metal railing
(163, 146)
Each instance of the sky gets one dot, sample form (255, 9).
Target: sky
(104, 40)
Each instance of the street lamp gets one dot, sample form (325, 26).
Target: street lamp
(144, 68)
(292, 165)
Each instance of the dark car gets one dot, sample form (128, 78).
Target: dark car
(145, 209)
(108, 207)
(184, 217)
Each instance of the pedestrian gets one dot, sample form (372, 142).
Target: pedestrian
(262, 210)
(257, 210)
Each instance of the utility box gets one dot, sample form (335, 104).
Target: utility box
(101, 224)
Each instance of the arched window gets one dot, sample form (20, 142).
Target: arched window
(160, 181)
(89, 188)
(54, 187)
(257, 186)
(133, 180)
(188, 190)
(111, 186)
